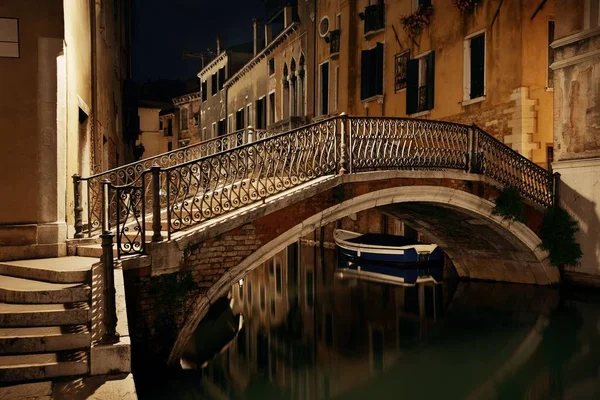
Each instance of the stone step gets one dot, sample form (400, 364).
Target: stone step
(25, 367)
(26, 315)
(164, 226)
(28, 291)
(55, 270)
(29, 391)
(94, 250)
(44, 339)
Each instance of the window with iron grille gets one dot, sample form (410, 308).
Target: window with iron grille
(420, 84)
(371, 74)
(334, 42)
(400, 63)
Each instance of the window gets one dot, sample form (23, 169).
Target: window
(262, 298)
(214, 130)
(401, 60)
(261, 113)
(420, 83)
(310, 290)
(271, 66)
(550, 53)
(221, 127)
(338, 22)
(374, 16)
(169, 131)
(549, 157)
(474, 73)
(248, 115)
(239, 119)
(184, 119)
(9, 37)
(336, 87)
(221, 78)
(421, 3)
(324, 26)
(160, 125)
(324, 88)
(278, 278)
(169, 146)
(271, 108)
(240, 291)
(196, 119)
(249, 286)
(230, 123)
(213, 84)
(204, 90)
(371, 74)
(204, 134)
(592, 14)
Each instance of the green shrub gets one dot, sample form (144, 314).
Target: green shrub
(558, 237)
(509, 204)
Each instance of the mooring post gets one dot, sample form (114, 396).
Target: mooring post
(156, 219)
(108, 270)
(77, 206)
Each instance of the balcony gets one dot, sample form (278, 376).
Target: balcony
(374, 17)
(334, 43)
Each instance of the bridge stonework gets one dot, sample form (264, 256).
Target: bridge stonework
(169, 294)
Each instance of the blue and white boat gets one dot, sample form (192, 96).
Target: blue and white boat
(375, 247)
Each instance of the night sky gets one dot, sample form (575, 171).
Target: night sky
(165, 29)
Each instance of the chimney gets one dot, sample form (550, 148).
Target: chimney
(255, 34)
(268, 34)
(218, 45)
(287, 16)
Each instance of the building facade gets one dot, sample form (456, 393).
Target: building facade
(577, 122)
(188, 109)
(64, 70)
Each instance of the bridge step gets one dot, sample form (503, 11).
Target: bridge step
(44, 339)
(27, 315)
(164, 226)
(34, 390)
(93, 250)
(28, 291)
(23, 367)
(55, 270)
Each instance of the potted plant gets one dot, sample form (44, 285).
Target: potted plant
(466, 6)
(414, 23)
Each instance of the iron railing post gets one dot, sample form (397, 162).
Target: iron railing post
(342, 169)
(156, 220)
(108, 269)
(556, 189)
(78, 209)
(473, 154)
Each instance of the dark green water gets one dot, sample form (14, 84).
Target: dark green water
(307, 334)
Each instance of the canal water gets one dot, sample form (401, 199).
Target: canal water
(294, 328)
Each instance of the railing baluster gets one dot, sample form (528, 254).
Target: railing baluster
(108, 269)
(342, 169)
(156, 220)
(78, 209)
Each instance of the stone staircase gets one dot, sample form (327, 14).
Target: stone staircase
(45, 319)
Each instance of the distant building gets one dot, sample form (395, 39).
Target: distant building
(67, 97)
(158, 128)
(188, 107)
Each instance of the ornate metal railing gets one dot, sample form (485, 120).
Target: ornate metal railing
(180, 196)
(334, 42)
(374, 17)
(88, 190)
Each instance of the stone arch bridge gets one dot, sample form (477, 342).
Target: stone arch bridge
(213, 217)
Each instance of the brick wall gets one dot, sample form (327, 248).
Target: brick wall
(494, 120)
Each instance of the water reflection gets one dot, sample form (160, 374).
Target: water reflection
(307, 335)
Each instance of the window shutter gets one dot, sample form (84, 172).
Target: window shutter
(365, 74)
(379, 68)
(477, 65)
(430, 79)
(412, 86)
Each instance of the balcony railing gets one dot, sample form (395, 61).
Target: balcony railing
(334, 42)
(374, 17)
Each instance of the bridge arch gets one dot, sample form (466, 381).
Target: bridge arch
(497, 249)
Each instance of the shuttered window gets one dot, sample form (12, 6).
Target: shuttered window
(213, 84)
(477, 66)
(221, 78)
(371, 75)
(204, 90)
(420, 84)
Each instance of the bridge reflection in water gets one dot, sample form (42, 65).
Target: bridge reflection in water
(307, 335)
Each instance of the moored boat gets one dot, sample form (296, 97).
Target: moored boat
(375, 247)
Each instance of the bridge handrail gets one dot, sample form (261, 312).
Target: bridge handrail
(131, 173)
(197, 190)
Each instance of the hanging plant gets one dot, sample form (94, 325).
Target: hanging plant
(414, 23)
(466, 6)
(558, 237)
(509, 204)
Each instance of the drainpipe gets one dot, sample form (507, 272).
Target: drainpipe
(94, 85)
(255, 35)
(315, 66)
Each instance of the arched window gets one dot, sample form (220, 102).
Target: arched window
(293, 91)
(285, 99)
(301, 87)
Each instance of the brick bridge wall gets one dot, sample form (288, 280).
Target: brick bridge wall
(160, 304)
